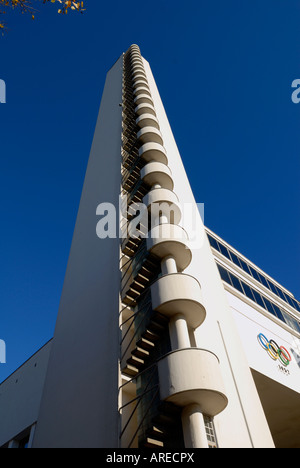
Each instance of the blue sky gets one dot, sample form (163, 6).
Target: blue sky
(224, 71)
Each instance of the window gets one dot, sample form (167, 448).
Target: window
(296, 304)
(236, 283)
(263, 280)
(235, 259)
(291, 321)
(280, 294)
(272, 287)
(213, 242)
(245, 266)
(224, 251)
(224, 274)
(289, 300)
(258, 298)
(278, 312)
(248, 291)
(269, 306)
(254, 274)
(255, 296)
(210, 432)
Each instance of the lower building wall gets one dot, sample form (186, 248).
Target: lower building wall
(20, 396)
(251, 324)
(277, 380)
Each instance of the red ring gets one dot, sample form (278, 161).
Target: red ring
(287, 356)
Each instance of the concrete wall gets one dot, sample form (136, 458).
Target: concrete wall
(20, 395)
(79, 407)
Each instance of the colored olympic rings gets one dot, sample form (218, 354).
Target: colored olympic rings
(274, 351)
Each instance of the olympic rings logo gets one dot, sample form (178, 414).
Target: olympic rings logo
(274, 351)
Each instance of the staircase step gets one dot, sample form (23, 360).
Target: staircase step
(157, 433)
(135, 362)
(156, 327)
(145, 344)
(140, 353)
(150, 335)
(153, 443)
(130, 370)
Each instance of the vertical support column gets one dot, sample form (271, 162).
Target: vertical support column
(179, 333)
(193, 427)
(168, 266)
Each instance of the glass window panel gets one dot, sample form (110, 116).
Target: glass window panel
(291, 321)
(263, 280)
(213, 242)
(296, 305)
(245, 266)
(248, 291)
(258, 298)
(280, 293)
(224, 250)
(289, 300)
(278, 312)
(224, 274)
(235, 259)
(269, 306)
(254, 274)
(236, 283)
(272, 287)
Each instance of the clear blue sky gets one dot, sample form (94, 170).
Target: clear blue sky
(224, 72)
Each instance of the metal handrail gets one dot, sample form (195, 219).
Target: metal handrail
(137, 329)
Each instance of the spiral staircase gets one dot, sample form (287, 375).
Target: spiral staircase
(177, 386)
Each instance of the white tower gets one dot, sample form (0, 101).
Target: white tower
(145, 351)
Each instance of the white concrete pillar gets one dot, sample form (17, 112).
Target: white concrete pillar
(163, 219)
(194, 427)
(168, 266)
(179, 333)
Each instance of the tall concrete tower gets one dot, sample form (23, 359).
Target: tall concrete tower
(146, 352)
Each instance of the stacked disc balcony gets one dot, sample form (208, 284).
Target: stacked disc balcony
(138, 267)
(143, 329)
(189, 377)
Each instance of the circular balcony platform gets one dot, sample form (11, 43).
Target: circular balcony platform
(170, 240)
(192, 376)
(137, 73)
(161, 201)
(143, 99)
(141, 90)
(147, 120)
(153, 152)
(150, 135)
(145, 109)
(137, 67)
(178, 293)
(157, 173)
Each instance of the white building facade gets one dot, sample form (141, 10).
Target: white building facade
(166, 337)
